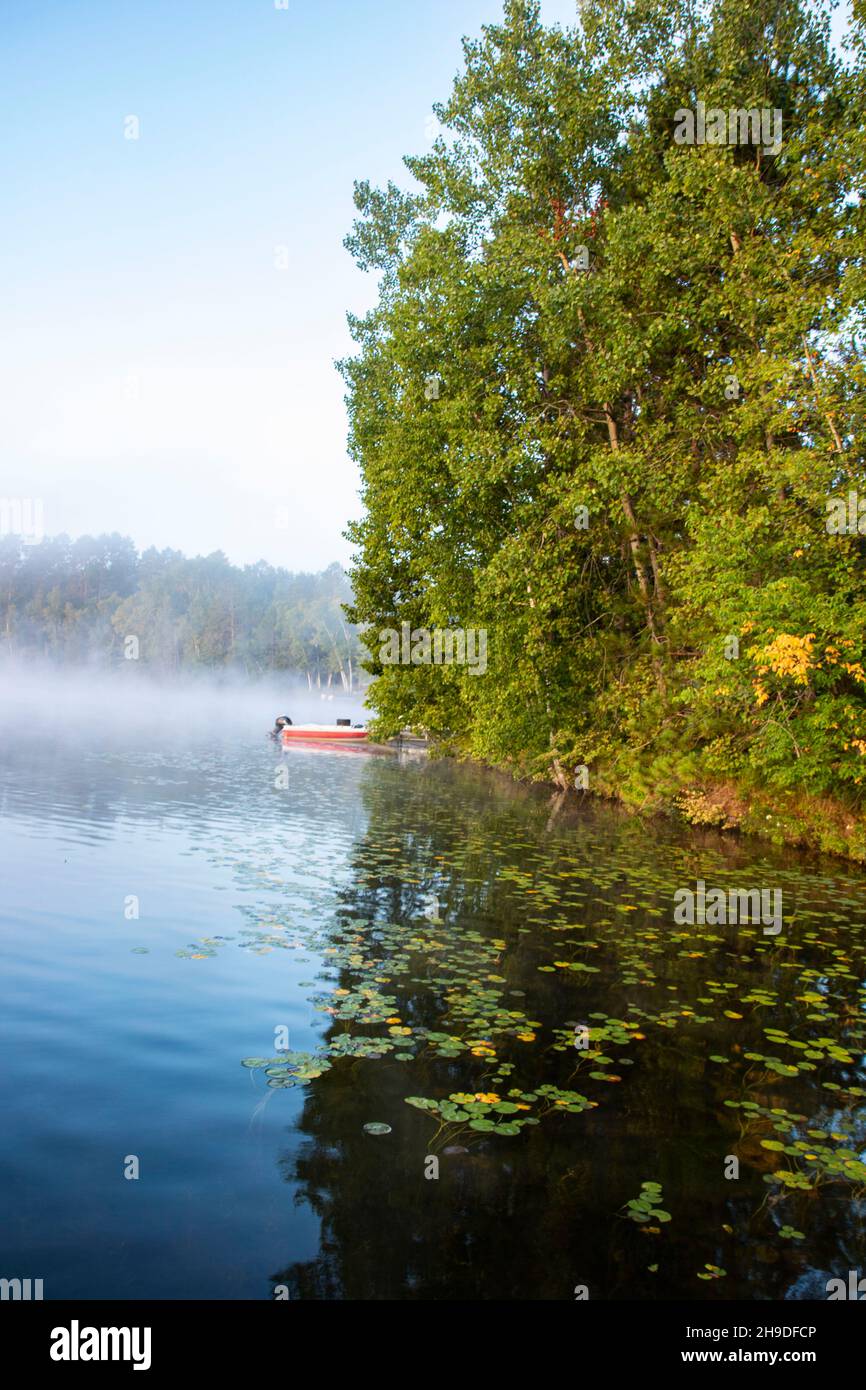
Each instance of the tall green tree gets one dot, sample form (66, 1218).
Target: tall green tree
(648, 387)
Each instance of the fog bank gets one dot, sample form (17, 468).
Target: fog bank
(45, 698)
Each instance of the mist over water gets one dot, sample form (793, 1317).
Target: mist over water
(49, 700)
(152, 872)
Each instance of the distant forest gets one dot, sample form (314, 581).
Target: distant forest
(97, 598)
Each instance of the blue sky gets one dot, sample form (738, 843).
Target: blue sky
(163, 376)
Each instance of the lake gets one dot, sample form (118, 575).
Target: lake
(219, 981)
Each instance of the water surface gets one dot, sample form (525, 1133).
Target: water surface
(307, 957)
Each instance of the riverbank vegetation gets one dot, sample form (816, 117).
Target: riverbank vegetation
(609, 407)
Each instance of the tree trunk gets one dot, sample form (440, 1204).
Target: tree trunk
(637, 559)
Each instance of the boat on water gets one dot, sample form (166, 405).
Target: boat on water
(341, 732)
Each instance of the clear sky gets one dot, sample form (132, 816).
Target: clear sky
(162, 375)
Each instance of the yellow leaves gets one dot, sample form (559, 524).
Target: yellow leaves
(526, 1037)
(488, 1097)
(860, 745)
(341, 991)
(792, 657)
(393, 1020)
(400, 1032)
(789, 655)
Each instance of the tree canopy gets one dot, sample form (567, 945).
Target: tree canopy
(649, 392)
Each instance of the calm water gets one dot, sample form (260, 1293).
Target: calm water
(421, 931)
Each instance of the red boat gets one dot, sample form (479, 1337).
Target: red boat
(317, 733)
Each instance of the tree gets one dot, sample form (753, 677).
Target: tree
(648, 384)
(81, 600)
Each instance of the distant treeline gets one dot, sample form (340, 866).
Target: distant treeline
(97, 598)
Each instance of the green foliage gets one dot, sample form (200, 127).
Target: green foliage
(78, 600)
(698, 390)
(647, 1207)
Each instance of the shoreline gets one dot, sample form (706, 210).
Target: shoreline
(820, 824)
